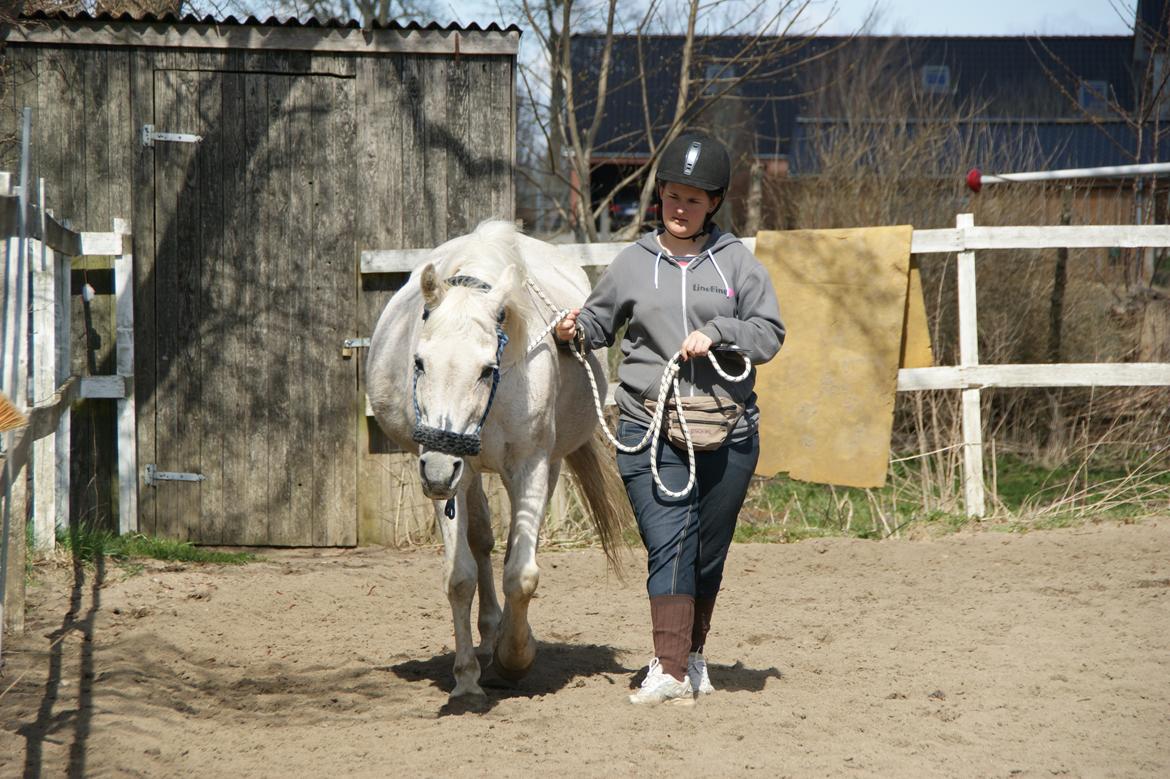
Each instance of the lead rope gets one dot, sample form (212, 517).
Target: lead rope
(669, 380)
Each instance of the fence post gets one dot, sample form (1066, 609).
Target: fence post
(973, 494)
(64, 304)
(15, 382)
(127, 436)
(44, 379)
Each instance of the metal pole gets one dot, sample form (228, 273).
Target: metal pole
(976, 178)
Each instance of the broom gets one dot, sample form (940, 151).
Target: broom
(10, 416)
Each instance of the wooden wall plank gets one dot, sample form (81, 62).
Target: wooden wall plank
(336, 404)
(216, 310)
(142, 193)
(97, 141)
(233, 292)
(179, 240)
(463, 207)
(485, 158)
(430, 152)
(174, 234)
(123, 139)
(275, 222)
(504, 136)
(296, 322)
(253, 367)
(380, 115)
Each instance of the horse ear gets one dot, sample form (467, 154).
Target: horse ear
(502, 290)
(432, 287)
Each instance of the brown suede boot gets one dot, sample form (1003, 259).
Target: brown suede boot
(673, 619)
(704, 607)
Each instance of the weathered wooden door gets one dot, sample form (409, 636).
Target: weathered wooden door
(244, 308)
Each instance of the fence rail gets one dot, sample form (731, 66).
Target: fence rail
(937, 241)
(969, 377)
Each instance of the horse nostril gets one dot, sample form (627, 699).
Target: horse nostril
(456, 472)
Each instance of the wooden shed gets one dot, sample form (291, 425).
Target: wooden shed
(255, 161)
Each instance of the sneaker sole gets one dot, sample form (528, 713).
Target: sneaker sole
(687, 701)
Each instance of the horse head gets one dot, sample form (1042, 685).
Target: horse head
(456, 371)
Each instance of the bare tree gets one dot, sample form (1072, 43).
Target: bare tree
(114, 7)
(368, 12)
(1145, 120)
(571, 107)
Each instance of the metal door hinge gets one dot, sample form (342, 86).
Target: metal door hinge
(149, 136)
(153, 476)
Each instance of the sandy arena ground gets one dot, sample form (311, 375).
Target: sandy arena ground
(985, 654)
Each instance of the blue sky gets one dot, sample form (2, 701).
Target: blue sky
(926, 17)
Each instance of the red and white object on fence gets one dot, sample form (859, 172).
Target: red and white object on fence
(976, 178)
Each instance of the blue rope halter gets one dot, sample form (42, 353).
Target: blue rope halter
(442, 439)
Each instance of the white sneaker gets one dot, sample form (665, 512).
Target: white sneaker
(697, 674)
(661, 687)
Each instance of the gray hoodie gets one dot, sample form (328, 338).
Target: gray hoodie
(723, 292)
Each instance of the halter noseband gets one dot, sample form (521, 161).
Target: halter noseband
(442, 439)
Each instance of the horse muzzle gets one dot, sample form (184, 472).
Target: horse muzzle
(440, 474)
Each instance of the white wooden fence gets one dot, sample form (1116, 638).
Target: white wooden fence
(969, 376)
(36, 376)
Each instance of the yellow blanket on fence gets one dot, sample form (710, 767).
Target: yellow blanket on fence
(852, 304)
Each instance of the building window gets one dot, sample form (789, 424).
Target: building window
(1093, 96)
(717, 77)
(936, 79)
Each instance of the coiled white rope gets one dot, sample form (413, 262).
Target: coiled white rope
(669, 381)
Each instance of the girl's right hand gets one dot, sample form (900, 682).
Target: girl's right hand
(566, 329)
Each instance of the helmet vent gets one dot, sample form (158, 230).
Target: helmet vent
(692, 157)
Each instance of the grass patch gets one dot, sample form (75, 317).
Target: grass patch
(87, 544)
(924, 498)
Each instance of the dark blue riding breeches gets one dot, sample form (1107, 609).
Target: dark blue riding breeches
(686, 538)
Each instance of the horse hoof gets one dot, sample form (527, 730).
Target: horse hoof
(468, 703)
(506, 673)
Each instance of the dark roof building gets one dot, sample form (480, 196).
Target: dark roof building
(1062, 92)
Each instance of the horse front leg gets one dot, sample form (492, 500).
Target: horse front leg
(459, 576)
(528, 489)
(481, 541)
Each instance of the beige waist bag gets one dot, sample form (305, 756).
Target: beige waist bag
(709, 418)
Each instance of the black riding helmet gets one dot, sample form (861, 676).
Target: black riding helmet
(699, 160)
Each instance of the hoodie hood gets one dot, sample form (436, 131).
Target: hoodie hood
(717, 241)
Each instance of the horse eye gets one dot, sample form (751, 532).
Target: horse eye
(486, 373)
(418, 364)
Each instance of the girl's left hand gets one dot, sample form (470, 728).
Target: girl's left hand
(695, 345)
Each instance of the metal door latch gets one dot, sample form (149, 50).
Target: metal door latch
(149, 136)
(350, 344)
(153, 476)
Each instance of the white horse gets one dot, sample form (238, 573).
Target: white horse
(451, 376)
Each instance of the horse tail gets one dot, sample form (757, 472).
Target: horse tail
(596, 472)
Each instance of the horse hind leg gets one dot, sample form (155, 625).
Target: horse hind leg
(528, 489)
(459, 575)
(481, 541)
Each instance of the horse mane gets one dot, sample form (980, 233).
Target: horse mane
(485, 254)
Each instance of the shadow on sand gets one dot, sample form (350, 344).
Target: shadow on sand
(557, 666)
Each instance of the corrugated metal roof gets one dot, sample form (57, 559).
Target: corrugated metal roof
(252, 21)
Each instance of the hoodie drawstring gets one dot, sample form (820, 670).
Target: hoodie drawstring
(657, 259)
(730, 291)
